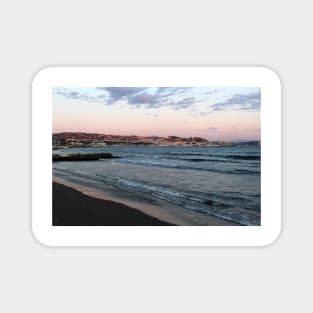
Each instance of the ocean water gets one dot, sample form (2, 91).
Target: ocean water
(223, 182)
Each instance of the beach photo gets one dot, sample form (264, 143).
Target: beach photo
(156, 156)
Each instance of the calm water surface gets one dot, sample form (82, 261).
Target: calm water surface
(220, 181)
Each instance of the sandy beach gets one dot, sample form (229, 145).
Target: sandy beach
(73, 208)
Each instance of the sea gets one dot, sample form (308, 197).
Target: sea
(222, 182)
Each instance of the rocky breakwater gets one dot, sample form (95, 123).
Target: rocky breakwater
(82, 157)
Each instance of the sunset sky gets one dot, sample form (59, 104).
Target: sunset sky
(214, 113)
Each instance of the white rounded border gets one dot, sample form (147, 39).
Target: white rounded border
(51, 77)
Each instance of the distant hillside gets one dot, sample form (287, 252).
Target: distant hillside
(80, 139)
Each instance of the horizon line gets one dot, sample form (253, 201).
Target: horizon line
(97, 133)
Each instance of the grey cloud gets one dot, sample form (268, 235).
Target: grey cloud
(146, 99)
(117, 93)
(175, 97)
(162, 97)
(164, 91)
(200, 114)
(212, 129)
(211, 92)
(249, 102)
(183, 104)
(74, 95)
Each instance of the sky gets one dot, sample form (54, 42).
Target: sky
(214, 113)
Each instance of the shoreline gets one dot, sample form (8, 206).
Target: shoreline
(162, 212)
(71, 207)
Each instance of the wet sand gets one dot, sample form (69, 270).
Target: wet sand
(72, 208)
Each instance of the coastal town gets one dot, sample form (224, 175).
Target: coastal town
(80, 140)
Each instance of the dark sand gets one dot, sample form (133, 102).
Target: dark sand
(72, 208)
